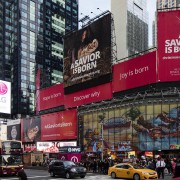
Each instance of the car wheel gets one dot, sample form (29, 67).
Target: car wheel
(68, 176)
(113, 175)
(136, 177)
(52, 174)
(82, 176)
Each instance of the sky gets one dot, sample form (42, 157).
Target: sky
(88, 6)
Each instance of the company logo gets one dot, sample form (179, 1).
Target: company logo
(74, 159)
(3, 88)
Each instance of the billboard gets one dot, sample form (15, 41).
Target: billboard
(87, 53)
(5, 97)
(168, 46)
(31, 129)
(53, 147)
(52, 97)
(94, 94)
(59, 125)
(136, 72)
(14, 129)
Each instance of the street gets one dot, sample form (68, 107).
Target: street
(44, 175)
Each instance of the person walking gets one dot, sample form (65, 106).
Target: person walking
(160, 165)
(173, 166)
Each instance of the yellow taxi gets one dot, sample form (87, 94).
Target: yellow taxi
(129, 171)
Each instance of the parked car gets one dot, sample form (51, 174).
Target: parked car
(67, 169)
(129, 171)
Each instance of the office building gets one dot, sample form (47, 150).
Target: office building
(161, 4)
(131, 26)
(33, 38)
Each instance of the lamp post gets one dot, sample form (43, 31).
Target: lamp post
(101, 121)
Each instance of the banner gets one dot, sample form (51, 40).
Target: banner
(5, 97)
(136, 72)
(94, 94)
(87, 52)
(52, 97)
(14, 129)
(168, 46)
(59, 126)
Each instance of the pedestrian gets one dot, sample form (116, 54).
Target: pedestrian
(95, 166)
(173, 166)
(160, 165)
(22, 175)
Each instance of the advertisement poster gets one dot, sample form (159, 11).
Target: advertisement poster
(136, 128)
(53, 147)
(52, 97)
(168, 45)
(5, 97)
(14, 129)
(94, 94)
(31, 129)
(136, 72)
(87, 52)
(59, 125)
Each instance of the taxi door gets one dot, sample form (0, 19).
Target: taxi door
(121, 171)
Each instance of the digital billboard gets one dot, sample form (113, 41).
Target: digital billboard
(93, 94)
(87, 53)
(59, 125)
(168, 45)
(31, 129)
(5, 97)
(14, 129)
(135, 72)
(51, 97)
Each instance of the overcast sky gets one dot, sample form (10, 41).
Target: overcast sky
(88, 6)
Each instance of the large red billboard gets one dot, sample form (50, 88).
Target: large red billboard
(59, 125)
(87, 52)
(136, 72)
(52, 97)
(168, 46)
(94, 94)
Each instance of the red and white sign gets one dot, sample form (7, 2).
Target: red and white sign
(52, 97)
(53, 147)
(5, 97)
(75, 157)
(136, 72)
(168, 46)
(90, 95)
(59, 126)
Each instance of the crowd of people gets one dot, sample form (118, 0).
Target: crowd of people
(161, 165)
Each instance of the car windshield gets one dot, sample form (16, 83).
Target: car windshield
(137, 166)
(69, 163)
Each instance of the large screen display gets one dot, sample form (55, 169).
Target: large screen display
(59, 125)
(51, 97)
(139, 71)
(87, 52)
(5, 97)
(14, 129)
(169, 46)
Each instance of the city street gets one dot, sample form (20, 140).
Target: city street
(44, 175)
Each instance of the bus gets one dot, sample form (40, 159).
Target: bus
(11, 152)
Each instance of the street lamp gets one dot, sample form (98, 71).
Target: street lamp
(101, 122)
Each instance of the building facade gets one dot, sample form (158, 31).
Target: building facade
(131, 26)
(167, 4)
(33, 32)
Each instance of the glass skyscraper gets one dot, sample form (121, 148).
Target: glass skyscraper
(33, 38)
(131, 26)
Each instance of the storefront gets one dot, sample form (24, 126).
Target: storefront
(144, 125)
